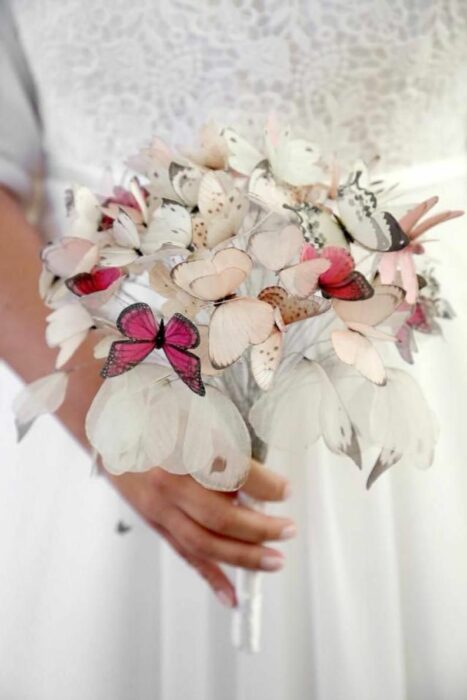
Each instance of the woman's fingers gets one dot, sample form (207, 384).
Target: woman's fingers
(265, 485)
(218, 513)
(212, 573)
(203, 544)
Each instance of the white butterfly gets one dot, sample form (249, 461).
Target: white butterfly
(293, 161)
(362, 217)
(243, 157)
(222, 206)
(84, 211)
(236, 321)
(170, 224)
(277, 249)
(265, 191)
(266, 357)
(302, 406)
(353, 345)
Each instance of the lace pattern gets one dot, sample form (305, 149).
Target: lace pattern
(365, 77)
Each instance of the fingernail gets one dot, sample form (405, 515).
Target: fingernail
(271, 563)
(225, 599)
(287, 492)
(288, 532)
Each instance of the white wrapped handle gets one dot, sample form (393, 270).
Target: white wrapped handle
(246, 622)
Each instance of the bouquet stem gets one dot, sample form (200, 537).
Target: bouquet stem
(246, 621)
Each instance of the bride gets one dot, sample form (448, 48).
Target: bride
(369, 599)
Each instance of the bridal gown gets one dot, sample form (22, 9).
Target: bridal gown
(372, 604)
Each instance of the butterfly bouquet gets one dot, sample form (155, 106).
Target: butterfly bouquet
(242, 299)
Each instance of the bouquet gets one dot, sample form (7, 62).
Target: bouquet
(243, 298)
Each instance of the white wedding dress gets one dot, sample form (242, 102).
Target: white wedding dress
(372, 604)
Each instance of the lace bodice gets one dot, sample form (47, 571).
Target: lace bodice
(362, 77)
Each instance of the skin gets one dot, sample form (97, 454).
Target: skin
(204, 527)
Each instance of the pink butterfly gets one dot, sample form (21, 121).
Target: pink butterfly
(402, 260)
(145, 334)
(341, 280)
(236, 321)
(98, 280)
(353, 345)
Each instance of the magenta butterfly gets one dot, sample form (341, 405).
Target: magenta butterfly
(97, 280)
(340, 280)
(145, 334)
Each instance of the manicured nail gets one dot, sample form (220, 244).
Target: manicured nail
(225, 599)
(287, 492)
(288, 532)
(271, 562)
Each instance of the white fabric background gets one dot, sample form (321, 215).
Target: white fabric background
(372, 604)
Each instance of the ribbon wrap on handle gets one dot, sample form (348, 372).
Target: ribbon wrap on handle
(246, 621)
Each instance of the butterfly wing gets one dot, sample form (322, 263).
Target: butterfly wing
(276, 249)
(181, 333)
(371, 311)
(357, 351)
(266, 192)
(124, 355)
(294, 161)
(243, 157)
(187, 366)
(301, 280)
(185, 181)
(137, 322)
(292, 308)
(372, 228)
(170, 224)
(96, 281)
(320, 227)
(235, 325)
(265, 358)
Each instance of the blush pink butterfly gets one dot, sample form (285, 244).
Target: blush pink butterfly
(340, 280)
(145, 334)
(237, 321)
(353, 345)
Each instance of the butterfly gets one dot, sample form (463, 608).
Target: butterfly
(293, 161)
(145, 334)
(98, 285)
(222, 208)
(178, 301)
(265, 191)
(69, 256)
(242, 156)
(213, 151)
(170, 223)
(265, 357)
(402, 260)
(353, 345)
(320, 226)
(364, 221)
(340, 280)
(277, 249)
(237, 321)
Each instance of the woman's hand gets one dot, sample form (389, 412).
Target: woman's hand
(206, 527)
